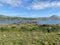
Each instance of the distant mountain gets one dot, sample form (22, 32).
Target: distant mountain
(53, 17)
(3, 17)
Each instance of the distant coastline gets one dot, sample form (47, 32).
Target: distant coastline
(53, 17)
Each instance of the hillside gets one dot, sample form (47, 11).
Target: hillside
(53, 17)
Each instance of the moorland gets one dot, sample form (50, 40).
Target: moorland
(29, 34)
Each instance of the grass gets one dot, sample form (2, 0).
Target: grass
(29, 34)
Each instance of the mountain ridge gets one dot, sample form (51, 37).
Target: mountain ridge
(53, 17)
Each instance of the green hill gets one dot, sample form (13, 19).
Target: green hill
(53, 17)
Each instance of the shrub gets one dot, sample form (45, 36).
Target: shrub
(4, 29)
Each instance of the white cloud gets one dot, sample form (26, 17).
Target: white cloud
(35, 4)
(42, 5)
(13, 3)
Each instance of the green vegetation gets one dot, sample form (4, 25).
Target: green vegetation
(29, 34)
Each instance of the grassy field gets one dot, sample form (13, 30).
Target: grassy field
(29, 34)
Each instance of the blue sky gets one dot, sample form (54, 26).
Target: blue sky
(30, 8)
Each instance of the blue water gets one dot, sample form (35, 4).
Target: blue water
(48, 21)
(37, 21)
(8, 21)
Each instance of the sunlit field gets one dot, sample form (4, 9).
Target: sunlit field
(29, 34)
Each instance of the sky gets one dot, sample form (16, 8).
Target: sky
(30, 8)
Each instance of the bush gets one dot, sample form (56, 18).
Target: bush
(4, 29)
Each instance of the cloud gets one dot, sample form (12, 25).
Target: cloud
(1, 5)
(31, 4)
(36, 5)
(13, 3)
